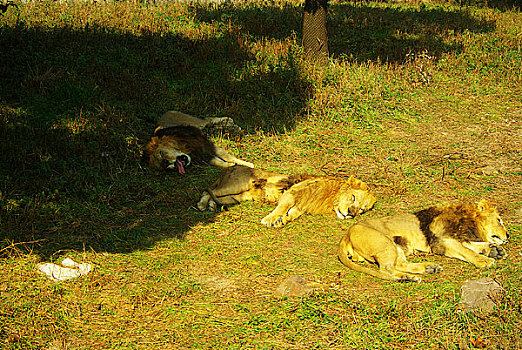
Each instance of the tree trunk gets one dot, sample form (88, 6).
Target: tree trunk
(315, 40)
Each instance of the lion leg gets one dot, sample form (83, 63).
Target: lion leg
(285, 207)
(232, 183)
(224, 197)
(395, 265)
(487, 249)
(230, 159)
(373, 246)
(204, 201)
(220, 121)
(292, 214)
(207, 201)
(390, 268)
(176, 118)
(217, 161)
(455, 249)
(416, 268)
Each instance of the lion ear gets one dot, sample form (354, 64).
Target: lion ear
(483, 205)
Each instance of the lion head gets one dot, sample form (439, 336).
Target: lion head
(353, 202)
(490, 225)
(164, 154)
(471, 222)
(176, 148)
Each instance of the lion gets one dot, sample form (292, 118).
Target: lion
(471, 232)
(178, 141)
(294, 194)
(321, 195)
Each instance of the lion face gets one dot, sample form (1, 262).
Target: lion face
(490, 225)
(353, 202)
(164, 154)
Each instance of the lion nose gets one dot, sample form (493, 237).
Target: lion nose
(184, 159)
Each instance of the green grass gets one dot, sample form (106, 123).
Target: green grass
(420, 100)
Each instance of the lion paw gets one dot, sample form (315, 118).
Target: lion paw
(430, 269)
(485, 263)
(273, 221)
(409, 279)
(497, 253)
(212, 206)
(203, 205)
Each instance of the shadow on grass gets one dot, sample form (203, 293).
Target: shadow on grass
(362, 32)
(76, 108)
(55, 72)
(65, 191)
(77, 105)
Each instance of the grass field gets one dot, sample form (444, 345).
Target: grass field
(421, 100)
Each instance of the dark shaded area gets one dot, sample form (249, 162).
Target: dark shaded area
(88, 191)
(361, 32)
(389, 34)
(60, 70)
(76, 106)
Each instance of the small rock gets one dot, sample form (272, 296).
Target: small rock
(293, 286)
(489, 170)
(480, 295)
(217, 283)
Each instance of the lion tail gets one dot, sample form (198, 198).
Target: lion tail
(345, 259)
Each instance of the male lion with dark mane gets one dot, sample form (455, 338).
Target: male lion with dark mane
(178, 141)
(471, 232)
(295, 194)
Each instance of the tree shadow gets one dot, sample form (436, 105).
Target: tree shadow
(76, 106)
(359, 31)
(389, 35)
(63, 70)
(61, 191)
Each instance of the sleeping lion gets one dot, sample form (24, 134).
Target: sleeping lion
(178, 141)
(471, 232)
(295, 194)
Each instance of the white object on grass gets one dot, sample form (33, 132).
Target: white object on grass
(66, 270)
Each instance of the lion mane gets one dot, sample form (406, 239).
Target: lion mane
(168, 144)
(181, 145)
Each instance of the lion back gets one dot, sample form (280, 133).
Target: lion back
(315, 194)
